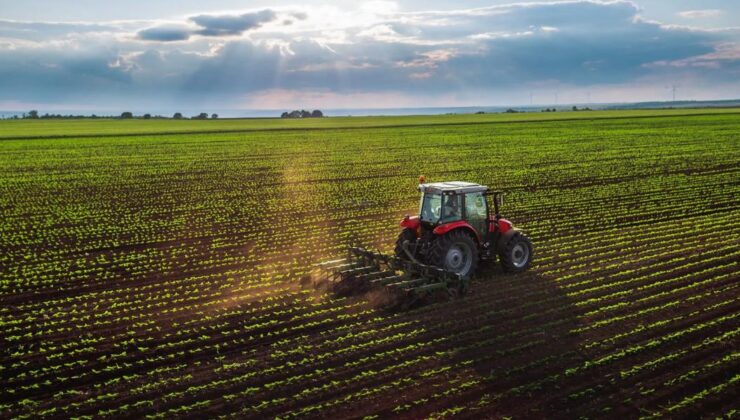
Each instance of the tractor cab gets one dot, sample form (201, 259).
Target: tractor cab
(458, 224)
(448, 202)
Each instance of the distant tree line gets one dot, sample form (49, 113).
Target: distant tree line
(34, 115)
(175, 116)
(302, 114)
(574, 108)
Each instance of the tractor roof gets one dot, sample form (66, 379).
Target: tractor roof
(458, 187)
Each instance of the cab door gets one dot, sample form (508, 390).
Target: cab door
(476, 212)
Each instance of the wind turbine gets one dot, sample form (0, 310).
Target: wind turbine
(673, 89)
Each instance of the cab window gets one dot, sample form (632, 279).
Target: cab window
(475, 211)
(451, 208)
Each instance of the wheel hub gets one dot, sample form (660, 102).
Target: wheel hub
(458, 258)
(520, 255)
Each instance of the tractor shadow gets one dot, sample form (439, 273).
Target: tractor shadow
(511, 331)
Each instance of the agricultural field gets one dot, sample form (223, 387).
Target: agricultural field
(157, 269)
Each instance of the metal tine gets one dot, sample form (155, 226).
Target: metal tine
(358, 270)
(427, 287)
(387, 280)
(370, 257)
(405, 284)
(374, 274)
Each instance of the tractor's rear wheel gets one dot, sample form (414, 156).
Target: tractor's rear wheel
(455, 251)
(405, 235)
(516, 254)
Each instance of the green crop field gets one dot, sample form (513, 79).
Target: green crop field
(156, 268)
(110, 127)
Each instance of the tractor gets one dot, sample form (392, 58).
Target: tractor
(455, 229)
(439, 249)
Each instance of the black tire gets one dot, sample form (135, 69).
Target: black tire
(405, 235)
(455, 246)
(516, 253)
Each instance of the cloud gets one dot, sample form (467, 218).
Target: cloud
(211, 26)
(701, 14)
(724, 55)
(165, 33)
(38, 31)
(489, 55)
(47, 73)
(299, 15)
(379, 7)
(224, 25)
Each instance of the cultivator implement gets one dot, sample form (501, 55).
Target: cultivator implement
(403, 281)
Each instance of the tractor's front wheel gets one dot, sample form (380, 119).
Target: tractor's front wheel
(455, 251)
(405, 235)
(516, 253)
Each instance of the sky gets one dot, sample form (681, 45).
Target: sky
(161, 55)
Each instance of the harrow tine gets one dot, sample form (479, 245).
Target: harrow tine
(383, 281)
(407, 284)
(428, 287)
(374, 274)
(357, 270)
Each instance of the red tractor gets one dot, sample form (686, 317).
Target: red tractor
(455, 229)
(438, 250)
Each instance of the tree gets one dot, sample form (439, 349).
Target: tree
(302, 114)
(201, 116)
(214, 116)
(177, 116)
(33, 114)
(127, 115)
(575, 108)
(147, 116)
